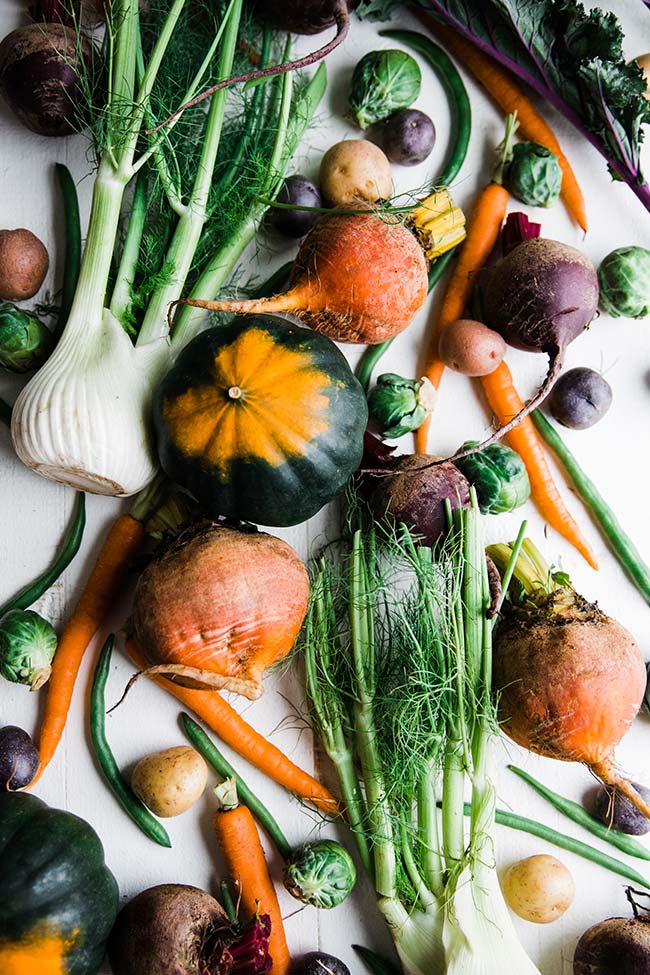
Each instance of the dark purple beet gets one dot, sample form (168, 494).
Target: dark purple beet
(407, 136)
(302, 16)
(19, 758)
(417, 500)
(40, 77)
(617, 946)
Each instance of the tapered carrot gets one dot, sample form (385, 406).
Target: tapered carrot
(211, 707)
(240, 845)
(103, 587)
(504, 89)
(483, 231)
(504, 401)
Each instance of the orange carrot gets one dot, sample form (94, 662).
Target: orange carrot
(504, 89)
(102, 588)
(240, 845)
(504, 401)
(211, 707)
(484, 227)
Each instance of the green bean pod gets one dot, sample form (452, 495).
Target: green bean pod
(137, 810)
(575, 812)
(5, 412)
(72, 243)
(619, 541)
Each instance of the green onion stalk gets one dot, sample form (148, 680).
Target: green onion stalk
(398, 651)
(171, 213)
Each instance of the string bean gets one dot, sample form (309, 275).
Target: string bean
(72, 243)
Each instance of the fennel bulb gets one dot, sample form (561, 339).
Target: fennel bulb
(83, 420)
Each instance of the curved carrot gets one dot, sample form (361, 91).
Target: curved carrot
(211, 707)
(102, 588)
(240, 845)
(505, 90)
(483, 231)
(505, 402)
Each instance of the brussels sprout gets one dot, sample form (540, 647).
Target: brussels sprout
(533, 174)
(321, 874)
(27, 645)
(398, 405)
(624, 279)
(499, 476)
(382, 82)
(25, 342)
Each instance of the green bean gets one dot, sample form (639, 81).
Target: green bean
(377, 964)
(456, 92)
(619, 541)
(72, 244)
(577, 814)
(207, 748)
(120, 788)
(5, 412)
(69, 548)
(373, 353)
(277, 279)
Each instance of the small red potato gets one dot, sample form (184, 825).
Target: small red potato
(23, 264)
(471, 348)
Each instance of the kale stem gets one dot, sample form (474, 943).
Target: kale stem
(122, 299)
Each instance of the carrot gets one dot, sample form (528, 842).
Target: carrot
(211, 707)
(504, 401)
(504, 89)
(240, 845)
(482, 234)
(102, 588)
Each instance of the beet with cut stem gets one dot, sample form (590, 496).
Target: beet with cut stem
(617, 946)
(303, 16)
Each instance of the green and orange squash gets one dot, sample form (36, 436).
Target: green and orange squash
(261, 420)
(58, 899)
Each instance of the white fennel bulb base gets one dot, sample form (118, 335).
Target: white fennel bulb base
(84, 419)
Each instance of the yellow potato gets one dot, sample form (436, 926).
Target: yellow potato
(171, 781)
(355, 170)
(539, 889)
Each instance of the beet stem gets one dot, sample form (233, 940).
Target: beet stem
(342, 22)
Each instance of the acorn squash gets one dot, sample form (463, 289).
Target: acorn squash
(58, 900)
(261, 420)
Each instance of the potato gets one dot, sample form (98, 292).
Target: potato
(539, 889)
(355, 170)
(171, 781)
(643, 62)
(23, 264)
(471, 348)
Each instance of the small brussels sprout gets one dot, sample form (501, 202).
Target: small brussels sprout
(25, 342)
(27, 646)
(382, 82)
(399, 405)
(499, 476)
(321, 874)
(624, 279)
(533, 174)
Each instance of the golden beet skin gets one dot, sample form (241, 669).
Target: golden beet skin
(222, 601)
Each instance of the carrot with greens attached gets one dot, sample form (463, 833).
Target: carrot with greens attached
(240, 845)
(505, 90)
(505, 402)
(234, 731)
(103, 587)
(483, 231)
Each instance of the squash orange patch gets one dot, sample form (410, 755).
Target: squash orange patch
(38, 953)
(245, 413)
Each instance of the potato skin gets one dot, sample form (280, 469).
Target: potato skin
(539, 889)
(471, 348)
(355, 170)
(171, 781)
(24, 262)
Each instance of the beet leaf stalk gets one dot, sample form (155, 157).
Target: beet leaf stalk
(398, 655)
(575, 60)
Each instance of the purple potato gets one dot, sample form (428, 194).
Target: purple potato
(580, 398)
(19, 759)
(299, 191)
(408, 136)
(618, 813)
(320, 963)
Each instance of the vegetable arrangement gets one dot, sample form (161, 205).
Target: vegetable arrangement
(419, 645)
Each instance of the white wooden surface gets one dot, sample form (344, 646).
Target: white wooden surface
(34, 512)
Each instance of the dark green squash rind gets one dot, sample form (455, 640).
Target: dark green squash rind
(254, 490)
(52, 872)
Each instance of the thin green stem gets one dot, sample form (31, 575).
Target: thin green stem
(428, 832)
(124, 20)
(453, 797)
(190, 226)
(122, 299)
(207, 748)
(425, 896)
(509, 570)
